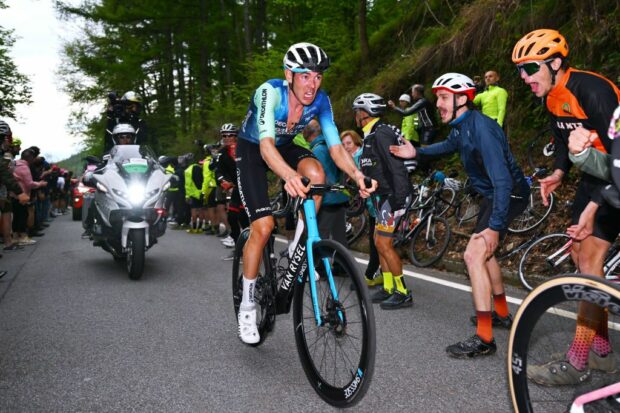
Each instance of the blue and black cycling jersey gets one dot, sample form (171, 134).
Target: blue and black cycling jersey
(268, 115)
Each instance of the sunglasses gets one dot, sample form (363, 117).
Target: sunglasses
(531, 68)
(229, 136)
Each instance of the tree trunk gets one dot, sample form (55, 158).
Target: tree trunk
(364, 47)
(247, 31)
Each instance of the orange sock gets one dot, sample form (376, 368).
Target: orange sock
(500, 305)
(484, 329)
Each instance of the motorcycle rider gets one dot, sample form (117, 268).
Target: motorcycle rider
(122, 134)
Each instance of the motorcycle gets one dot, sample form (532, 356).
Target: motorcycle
(129, 213)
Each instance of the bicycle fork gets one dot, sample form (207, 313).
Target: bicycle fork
(314, 237)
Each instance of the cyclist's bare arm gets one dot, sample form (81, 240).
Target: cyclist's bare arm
(345, 162)
(276, 163)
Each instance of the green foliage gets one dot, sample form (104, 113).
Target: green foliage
(14, 86)
(197, 62)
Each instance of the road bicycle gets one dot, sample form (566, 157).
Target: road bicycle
(542, 330)
(535, 212)
(550, 255)
(334, 324)
(426, 232)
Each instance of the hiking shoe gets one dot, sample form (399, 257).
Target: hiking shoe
(397, 300)
(472, 347)
(503, 322)
(13, 247)
(605, 364)
(26, 241)
(557, 373)
(380, 296)
(373, 282)
(248, 332)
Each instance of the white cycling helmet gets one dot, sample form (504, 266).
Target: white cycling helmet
(123, 129)
(370, 103)
(229, 128)
(456, 83)
(405, 97)
(131, 96)
(305, 57)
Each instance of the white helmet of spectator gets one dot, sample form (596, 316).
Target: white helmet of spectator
(370, 103)
(456, 83)
(405, 97)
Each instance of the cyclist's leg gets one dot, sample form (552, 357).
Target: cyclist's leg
(390, 260)
(252, 184)
(591, 329)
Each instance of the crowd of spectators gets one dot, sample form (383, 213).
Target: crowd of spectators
(32, 192)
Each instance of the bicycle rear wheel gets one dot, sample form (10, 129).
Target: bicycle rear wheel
(547, 256)
(534, 214)
(467, 209)
(444, 200)
(429, 241)
(338, 356)
(264, 289)
(544, 328)
(355, 227)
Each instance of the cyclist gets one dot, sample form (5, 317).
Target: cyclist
(225, 174)
(391, 196)
(495, 175)
(579, 103)
(279, 110)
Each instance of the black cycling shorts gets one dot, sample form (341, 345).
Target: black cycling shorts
(607, 218)
(252, 174)
(516, 207)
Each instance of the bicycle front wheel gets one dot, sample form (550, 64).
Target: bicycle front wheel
(547, 256)
(338, 355)
(429, 241)
(542, 331)
(534, 214)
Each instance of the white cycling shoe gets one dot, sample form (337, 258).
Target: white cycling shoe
(248, 331)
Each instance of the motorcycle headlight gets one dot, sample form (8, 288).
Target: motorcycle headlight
(136, 193)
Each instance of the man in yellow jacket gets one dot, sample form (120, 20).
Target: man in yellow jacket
(492, 102)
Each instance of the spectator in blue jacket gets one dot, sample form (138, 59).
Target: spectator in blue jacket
(331, 218)
(495, 175)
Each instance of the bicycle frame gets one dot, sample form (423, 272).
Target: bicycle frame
(302, 260)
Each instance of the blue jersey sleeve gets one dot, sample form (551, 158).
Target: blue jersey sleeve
(326, 119)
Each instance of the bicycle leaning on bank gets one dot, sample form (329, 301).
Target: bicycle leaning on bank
(334, 323)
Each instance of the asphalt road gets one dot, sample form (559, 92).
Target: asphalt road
(77, 335)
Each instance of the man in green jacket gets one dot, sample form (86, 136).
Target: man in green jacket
(493, 100)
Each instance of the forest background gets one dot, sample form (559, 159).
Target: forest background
(197, 62)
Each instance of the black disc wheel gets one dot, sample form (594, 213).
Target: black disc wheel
(337, 352)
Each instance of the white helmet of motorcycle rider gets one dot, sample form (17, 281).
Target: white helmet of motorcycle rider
(124, 134)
